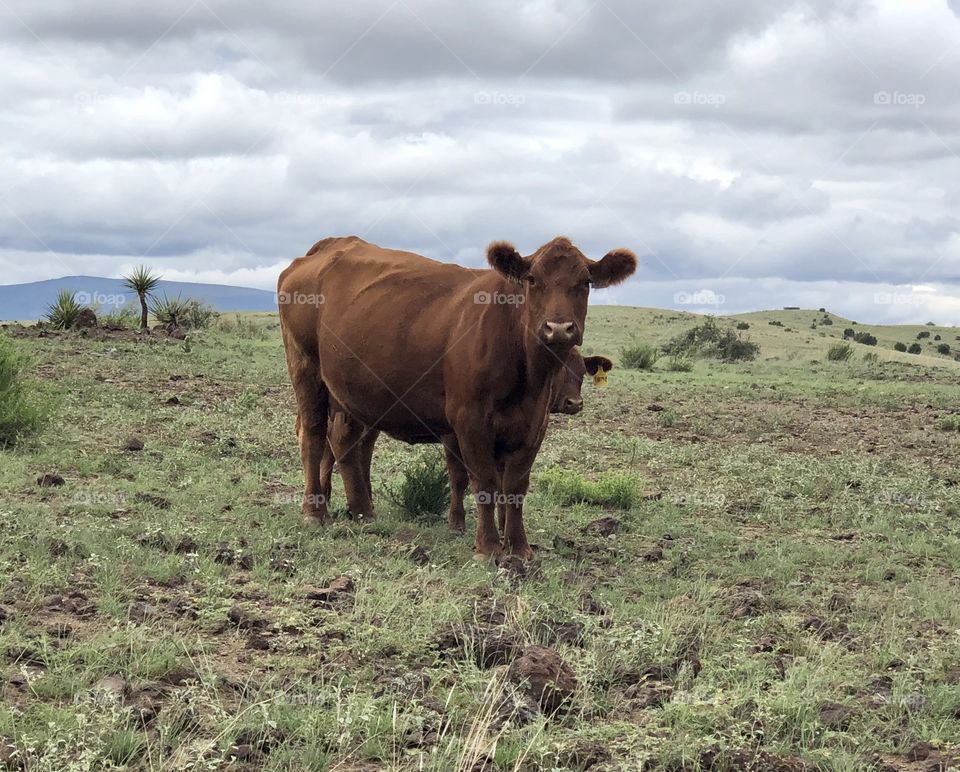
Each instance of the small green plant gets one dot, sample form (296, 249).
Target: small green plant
(898, 346)
(840, 352)
(63, 313)
(743, 325)
(613, 489)
(849, 332)
(678, 363)
(638, 356)
(915, 348)
(923, 334)
(21, 414)
(950, 423)
(871, 357)
(422, 492)
(865, 338)
(186, 313)
(936, 337)
(943, 348)
(124, 316)
(775, 323)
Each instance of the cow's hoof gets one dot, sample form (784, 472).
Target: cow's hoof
(315, 519)
(365, 518)
(525, 552)
(488, 551)
(457, 528)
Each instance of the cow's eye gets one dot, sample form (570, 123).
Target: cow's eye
(531, 280)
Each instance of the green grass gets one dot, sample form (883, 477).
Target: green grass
(790, 537)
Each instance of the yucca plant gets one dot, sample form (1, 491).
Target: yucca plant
(64, 312)
(142, 281)
(171, 311)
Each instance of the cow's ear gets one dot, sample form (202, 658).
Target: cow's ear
(504, 258)
(614, 267)
(597, 363)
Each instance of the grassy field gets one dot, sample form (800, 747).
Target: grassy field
(775, 586)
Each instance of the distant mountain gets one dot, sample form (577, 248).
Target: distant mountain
(29, 301)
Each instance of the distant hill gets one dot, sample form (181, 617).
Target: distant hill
(29, 301)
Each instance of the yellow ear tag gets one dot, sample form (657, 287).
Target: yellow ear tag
(600, 378)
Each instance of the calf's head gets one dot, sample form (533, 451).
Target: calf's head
(555, 283)
(569, 381)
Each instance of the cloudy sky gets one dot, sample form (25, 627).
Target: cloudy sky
(754, 154)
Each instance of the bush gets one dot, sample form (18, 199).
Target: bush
(923, 334)
(865, 338)
(823, 310)
(839, 352)
(638, 356)
(125, 316)
(943, 348)
(743, 325)
(64, 312)
(708, 339)
(20, 413)
(614, 489)
(871, 357)
(423, 491)
(826, 321)
(186, 313)
(679, 364)
(915, 348)
(775, 323)
(936, 337)
(898, 346)
(950, 423)
(849, 332)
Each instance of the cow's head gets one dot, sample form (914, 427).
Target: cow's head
(569, 381)
(556, 282)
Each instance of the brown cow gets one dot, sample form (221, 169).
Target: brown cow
(425, 350)
(567, 399)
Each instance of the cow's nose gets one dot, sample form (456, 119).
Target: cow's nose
(559, 332)
(573, 406)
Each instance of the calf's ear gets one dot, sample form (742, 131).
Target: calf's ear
(614, 267)
(597, 363)
(504, 258)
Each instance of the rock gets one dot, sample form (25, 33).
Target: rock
(158, 501)
(111, 687)
(174, 400)
(50, 480)
(544, 677)
(653, 555)
(511, 567)
(919, 751)
(604, 527)
(244, 619)
(515, 709)
(86, 319)
(339, 589)
(143, 612)
(655, 407)
(488, 647)
(5, 613)
(835, 716)
(643, 697)
(419, 556)
(591, 605)
(133, 445)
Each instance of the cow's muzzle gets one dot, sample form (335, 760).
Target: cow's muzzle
(560, 333)
(572, 406)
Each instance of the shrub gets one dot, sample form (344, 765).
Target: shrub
(708, 339)
(186, 313)
(871, 357)
(823, 310)
(865, 338)
(915, 348)
(743, 325)
(64, 312)
(923, 334)
(775, 323)
(943, 348)
(679, 364)
(638, 356)
(849, 332)
(930, 324)
(827, 321)
(423, 491)
(125, 316)
(839, 352)
(936, 337)
(21, 414)
(615, 489)
(898, 346)
(950, 423)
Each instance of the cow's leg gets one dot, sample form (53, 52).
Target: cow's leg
(457, 474)
(476, 452)
(516, 482)
(346, 437)
(369, 442)
(326, 470)
(312, 406)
